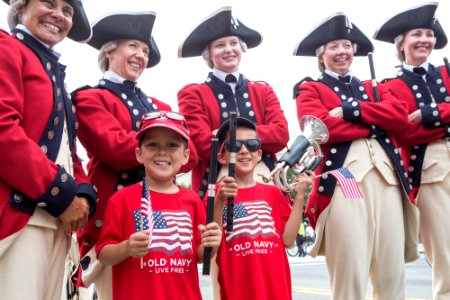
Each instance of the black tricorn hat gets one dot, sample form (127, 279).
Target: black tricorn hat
(126, 25)
(220, 24)
(335, 27)
(81, 30)
(417, 17)
(225, 126)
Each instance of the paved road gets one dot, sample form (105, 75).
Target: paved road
(310, 280)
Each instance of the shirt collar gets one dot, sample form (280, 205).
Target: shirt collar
(336, 75)
(114, 77)
(410, 67)
(221, 74)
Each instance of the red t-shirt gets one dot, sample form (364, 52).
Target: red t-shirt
(169, 270)
(252, 260)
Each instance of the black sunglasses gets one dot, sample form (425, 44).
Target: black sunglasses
(252, 145)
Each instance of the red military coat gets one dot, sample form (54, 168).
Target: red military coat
(26, 104)
(200, 107)
(106, 132)
(317, 99)
(418, 134)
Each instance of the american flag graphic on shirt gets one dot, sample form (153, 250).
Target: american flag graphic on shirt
(172, 232)
(251, 219)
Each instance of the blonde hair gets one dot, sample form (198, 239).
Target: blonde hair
(13, 13)
(103, 62)
(399, 53)
(206, 53)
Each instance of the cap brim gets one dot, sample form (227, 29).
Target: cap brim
(240, 121)
(176, 129)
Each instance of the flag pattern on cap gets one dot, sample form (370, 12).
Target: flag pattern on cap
(252, 219)
(348, 183)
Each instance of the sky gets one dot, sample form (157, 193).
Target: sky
(282, 24)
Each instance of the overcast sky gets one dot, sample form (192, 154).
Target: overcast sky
(282, 23)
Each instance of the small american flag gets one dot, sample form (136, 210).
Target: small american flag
(146, 210)
(252, 218)
(348, 183)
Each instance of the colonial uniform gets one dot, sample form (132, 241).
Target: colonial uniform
(426, 146)
(382, 225)
(109, 116)
(40, 173)
(207, 105)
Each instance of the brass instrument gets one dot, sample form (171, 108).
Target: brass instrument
(304, 154)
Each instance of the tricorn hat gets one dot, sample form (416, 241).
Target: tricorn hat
(220, 24)
(81, 30)
(422, 16)
(335, 27)
(126, 25)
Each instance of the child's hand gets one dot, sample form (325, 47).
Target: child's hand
(211, 235)
(303, 181)
(137, 244)
(227, 188)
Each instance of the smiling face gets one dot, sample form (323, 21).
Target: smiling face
(48, 20)
(129, 59)
(162, 152)
(417, 45)
(246, 161)
(338, 56)
(226, 53)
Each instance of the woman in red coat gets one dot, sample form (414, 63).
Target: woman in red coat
(425, 146)
(44, 193)
(370, 237)
(109, 116)
(222, 39)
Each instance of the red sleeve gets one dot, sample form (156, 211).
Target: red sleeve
(413, 134)
(444, 108)
(25, 108)
(102, 131)
(317, 99)
(272, 125)
(200, 219)
(201, 113)
(389, 113)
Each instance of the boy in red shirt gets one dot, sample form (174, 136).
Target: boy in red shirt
(150, 234)
(252, 261)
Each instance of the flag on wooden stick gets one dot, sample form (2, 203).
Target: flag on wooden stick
(146, 210)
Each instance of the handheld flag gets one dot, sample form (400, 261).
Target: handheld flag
(347, 182)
